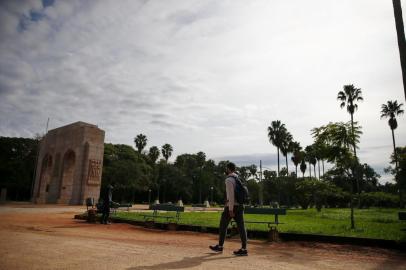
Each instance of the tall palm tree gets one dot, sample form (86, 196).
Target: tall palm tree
(275, 135)
(296, 157)
(390, 110)
(400, 31)
(153, 154)
(286, 146)
(310, 157)
(140, 142)
(303, 167)
(167, 151)
(349, 97)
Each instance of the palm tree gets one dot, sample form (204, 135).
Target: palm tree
(140, 142)
(167, 151)
(296, 157)
(286, 147)
(303, 167)
(400, 31)
(390, 110)
(348, 98)
(275, 134)
(153, 154)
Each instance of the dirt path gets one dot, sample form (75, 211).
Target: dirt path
(47, 237)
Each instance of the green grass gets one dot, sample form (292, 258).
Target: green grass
(370, 223)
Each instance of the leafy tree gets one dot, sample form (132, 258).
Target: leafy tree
(400, 172)
(126, 171)
(252, 169)
(18, 158)
(369, 178)
(243, 173)
(337, 139)
(390, 110)
(276, 132)
(167, 151)
(268, 175)
(140, 142)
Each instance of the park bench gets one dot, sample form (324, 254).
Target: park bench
(273, 233)
(113, 207)
(164, 207)
(200, 205)
(402, 215)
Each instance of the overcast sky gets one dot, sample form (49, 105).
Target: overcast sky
(201, 75)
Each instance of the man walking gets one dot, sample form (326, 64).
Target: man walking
(107, 200)
(234, 210)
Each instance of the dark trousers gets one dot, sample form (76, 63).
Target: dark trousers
(105, 214)
(239, 219)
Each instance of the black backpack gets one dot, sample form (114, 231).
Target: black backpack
(241, 193)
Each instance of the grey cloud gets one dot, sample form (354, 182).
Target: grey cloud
(213, 72)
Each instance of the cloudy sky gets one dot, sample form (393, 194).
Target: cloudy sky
(201, 75)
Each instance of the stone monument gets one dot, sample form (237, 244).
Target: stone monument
(69, 165)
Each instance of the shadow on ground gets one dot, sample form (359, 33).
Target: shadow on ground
(186, 262)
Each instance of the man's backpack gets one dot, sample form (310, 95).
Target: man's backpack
(241, 193)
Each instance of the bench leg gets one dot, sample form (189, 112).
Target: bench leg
(273, 234)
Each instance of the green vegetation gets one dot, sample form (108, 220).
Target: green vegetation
(374, 223)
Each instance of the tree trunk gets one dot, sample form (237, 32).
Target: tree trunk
(396, 168)
(314, 169)
(355, 154)
(296, 170)
(278, 160)
(352, 134)
(352, 206)
(322, 162)
(394, 150)
(310, 170)
(400, 31)
(318, 165)
(287, 168)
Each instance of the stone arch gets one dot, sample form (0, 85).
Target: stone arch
(45, 174)
(67, 176)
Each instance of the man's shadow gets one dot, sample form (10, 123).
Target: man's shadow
(186, 262)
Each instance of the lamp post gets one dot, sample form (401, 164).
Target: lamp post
(211, 194)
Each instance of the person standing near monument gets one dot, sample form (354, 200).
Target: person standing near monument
(232, 210)
(107, 200)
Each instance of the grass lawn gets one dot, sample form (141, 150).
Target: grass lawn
(370, 223)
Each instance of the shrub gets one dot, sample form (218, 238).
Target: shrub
(379, 199)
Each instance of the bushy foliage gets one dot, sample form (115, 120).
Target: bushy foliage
(378, 199)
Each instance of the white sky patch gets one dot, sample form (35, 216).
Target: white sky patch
(201, 75)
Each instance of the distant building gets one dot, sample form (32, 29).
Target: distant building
(70, 165)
